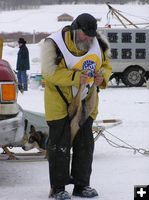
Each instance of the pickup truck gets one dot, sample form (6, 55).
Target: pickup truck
(11, 115)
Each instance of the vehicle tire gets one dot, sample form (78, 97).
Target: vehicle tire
(133, 76)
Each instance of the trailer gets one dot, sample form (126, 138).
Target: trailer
(129, 54)
(129, 49)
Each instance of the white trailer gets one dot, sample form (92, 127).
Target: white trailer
(129, 54)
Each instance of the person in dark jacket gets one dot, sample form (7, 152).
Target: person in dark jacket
(22, 65)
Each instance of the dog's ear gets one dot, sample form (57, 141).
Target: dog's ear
(32, 139)
(32, 129)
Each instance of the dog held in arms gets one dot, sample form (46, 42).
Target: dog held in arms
(75, 109)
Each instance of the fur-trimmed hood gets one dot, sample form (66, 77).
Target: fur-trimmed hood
(48, 57)
(103, 41)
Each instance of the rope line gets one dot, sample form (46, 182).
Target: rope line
(137, 16)
(141, 151)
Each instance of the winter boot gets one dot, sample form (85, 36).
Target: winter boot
(59, 194)
(20, 87)
(63, 195)
(86, 192)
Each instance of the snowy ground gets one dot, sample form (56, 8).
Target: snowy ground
(115, 170)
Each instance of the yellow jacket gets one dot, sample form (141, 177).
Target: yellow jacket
(60, 75)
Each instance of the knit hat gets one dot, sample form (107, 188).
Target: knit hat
(22, 41)
(87, 23)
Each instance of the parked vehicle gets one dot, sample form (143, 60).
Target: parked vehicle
(129, 54)
(11, 115)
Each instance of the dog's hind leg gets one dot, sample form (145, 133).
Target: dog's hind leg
(75, 111)
(75, 103)
(80, 116)
(74, 125)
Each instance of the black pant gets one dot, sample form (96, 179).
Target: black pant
(59, 153)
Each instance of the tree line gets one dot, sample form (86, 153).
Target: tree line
(17, 4)
(49, 2)
(27, 4)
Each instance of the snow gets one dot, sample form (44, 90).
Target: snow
(115, 170)
(45, 18)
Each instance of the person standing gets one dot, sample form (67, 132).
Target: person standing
(22, 65)
(71, 57)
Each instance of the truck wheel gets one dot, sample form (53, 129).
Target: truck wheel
(133, 76)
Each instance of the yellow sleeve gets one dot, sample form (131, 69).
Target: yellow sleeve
(64, 76)
(107, 71)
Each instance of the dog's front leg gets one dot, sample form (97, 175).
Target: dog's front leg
(11, 155)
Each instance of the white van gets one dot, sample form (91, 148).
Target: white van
(129, 54)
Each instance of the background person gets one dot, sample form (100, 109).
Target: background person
(65, 55)
(22, 65)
